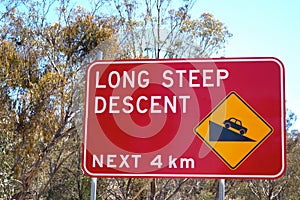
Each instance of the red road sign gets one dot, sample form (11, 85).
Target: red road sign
(205, 118)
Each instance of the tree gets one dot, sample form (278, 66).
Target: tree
(41, 64)
(44, 49)
(163, 29)
(291, 118)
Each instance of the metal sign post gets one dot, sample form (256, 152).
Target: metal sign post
(221, 189)
(93, 188)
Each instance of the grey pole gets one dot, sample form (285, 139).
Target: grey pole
(221, 189)
(94, 180)
(93, 188)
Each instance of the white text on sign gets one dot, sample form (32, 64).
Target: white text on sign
(120, 161)
(141, 78)
(114, 104)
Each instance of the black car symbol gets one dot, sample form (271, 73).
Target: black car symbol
(235, 124)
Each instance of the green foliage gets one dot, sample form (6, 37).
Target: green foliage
(162, 30)
(40, 66)
(45, 47)
(291, 118)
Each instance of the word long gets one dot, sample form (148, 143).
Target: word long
(180, 78)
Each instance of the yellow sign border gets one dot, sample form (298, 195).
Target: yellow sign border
(253, 149)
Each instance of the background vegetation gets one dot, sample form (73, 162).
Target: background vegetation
(45, 47)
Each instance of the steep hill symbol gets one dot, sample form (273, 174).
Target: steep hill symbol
(225, 134)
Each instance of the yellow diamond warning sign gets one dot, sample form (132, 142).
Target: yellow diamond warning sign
(233, 130)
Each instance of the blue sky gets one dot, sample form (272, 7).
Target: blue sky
(263, 28)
